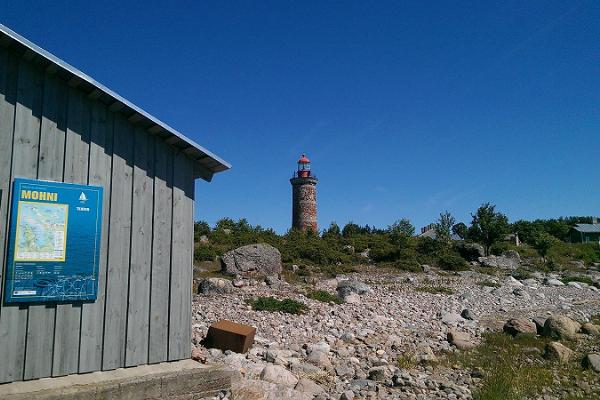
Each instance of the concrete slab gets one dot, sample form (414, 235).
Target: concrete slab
(181, 379)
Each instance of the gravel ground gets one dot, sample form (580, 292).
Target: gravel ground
(350, 351)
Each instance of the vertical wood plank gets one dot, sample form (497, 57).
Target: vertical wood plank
(161, 252)
(92, 314)
(118, 251)
(13, 319)
(77, 148)
(8, 96)
(40, 328)
(9, 68)
(141, 250)
(181, 268)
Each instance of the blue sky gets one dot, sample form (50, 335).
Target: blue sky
(405, 108)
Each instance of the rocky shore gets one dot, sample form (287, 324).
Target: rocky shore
(387, 341)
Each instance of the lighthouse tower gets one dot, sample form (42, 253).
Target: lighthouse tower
(304, 197)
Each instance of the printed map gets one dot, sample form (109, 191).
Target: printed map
(41, 232)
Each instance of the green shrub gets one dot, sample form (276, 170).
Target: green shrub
(205, 253)
(409, 264)
(272, 304)
(489, 283)
(435, 290)
(583, 279)
(521, 274)
(324, 296)
(452, 262)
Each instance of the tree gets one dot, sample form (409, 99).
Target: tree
(333, 230)
(402, 227)
(543, 242)
(443, 227)
(201, 228)
(351, 229)
(460, 229)
(488, 226)
(225, 223)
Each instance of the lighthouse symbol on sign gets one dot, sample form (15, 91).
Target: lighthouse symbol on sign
(304, 197)
(82, 197)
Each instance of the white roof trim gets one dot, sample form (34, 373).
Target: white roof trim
(218, 164)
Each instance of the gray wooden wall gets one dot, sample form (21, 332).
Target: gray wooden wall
(52, 130)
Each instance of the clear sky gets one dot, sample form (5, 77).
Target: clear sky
(406, 108)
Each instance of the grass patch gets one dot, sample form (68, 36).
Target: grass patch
(435, 289)
(521, 274)
(489, 283)
(509, 372)
(407, 361)
(272, 304)
(324, 296)
(583, 279)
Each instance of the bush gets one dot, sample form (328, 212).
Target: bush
(205, 253)
(582, 279)
(435, 290)
(324, 296)
(467, 251)
(452, 262)
(410, 265)
(489, 283)
(272, 304)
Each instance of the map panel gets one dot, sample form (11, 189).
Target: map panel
(41, 232)
(54, 244)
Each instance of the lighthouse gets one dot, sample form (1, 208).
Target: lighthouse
(304, 197)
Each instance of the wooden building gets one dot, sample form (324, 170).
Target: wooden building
(585, 233)
(58, 124)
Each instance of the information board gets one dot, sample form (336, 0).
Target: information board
(55, 231)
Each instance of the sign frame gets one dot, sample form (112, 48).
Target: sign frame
(55, 233)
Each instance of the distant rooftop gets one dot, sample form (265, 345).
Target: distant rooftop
(587, 228)
(206, 163)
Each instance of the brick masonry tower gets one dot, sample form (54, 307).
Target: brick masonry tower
(304, 197)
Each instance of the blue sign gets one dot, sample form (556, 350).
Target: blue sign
(54, 248)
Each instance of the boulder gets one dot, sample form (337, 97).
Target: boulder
(305, 385)
(512, 254)
(278, 375)
(424, 353)
(576, 285)
(449, 318)
(378, 374)
(346, 287)
(559, 352)
(499, 262)
(249, 389)
(539, 324)
(461, 340)
(352, 298)
(252, 260)
(347, 395)
(590, 329)
(517, 326)
(592, 361)
(561, 327)
(467, 314)
(553, 282)
(215, 286)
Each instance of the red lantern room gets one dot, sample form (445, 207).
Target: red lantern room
(303, 167)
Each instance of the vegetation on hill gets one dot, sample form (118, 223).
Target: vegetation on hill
(396, 246)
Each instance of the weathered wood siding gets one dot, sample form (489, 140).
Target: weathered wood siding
(52, 129)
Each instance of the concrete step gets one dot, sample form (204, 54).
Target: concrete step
(180, 380)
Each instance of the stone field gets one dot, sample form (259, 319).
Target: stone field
(390, 338)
